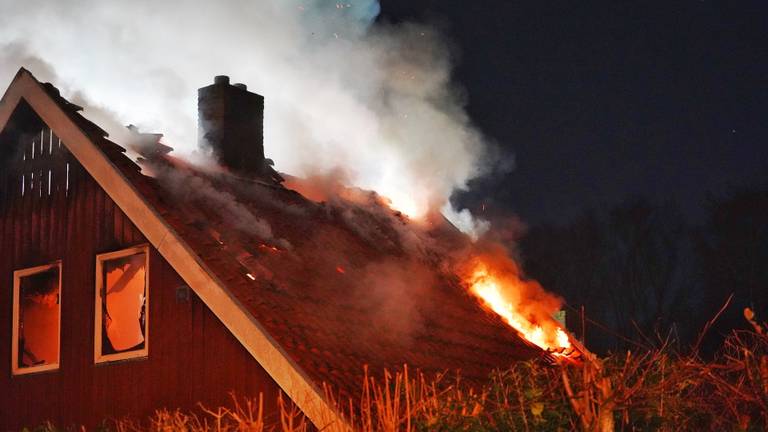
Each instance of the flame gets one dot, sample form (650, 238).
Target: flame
(493, 290)
(407, 204)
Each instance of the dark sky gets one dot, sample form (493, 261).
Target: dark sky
(601, 102)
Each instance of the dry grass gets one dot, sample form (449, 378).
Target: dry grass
(653, 390)
(245, 415)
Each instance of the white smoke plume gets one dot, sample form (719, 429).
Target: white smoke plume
(191, 187)
(340, 89)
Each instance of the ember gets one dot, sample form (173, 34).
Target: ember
(269, 247)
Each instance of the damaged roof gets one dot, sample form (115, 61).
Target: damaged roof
(315, 291)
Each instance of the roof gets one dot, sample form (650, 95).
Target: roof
(314, 291)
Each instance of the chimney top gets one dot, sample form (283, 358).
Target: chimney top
(230, 124)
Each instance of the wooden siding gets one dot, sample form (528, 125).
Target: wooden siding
(192, 357)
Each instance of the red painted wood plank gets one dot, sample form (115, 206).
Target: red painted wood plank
(192, 356)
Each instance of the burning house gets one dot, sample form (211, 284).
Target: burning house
(129, 284)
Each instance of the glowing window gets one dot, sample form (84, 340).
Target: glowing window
(36, 319)
(122, 305)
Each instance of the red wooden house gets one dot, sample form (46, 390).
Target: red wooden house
(127, 288)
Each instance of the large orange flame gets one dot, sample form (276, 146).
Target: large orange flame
(522, 304)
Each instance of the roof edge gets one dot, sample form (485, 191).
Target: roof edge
(3, 99)
(264, 349)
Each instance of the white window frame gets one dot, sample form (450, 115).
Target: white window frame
(98, 357)
(17, 275)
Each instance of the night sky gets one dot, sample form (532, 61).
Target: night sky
(604, 102)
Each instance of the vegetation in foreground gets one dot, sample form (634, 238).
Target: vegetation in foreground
(652, 390)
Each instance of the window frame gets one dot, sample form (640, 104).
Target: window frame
(143, 353)
(17, 275)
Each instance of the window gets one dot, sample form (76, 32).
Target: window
(36, 319)
(122, 305)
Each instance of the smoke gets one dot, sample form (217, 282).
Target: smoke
(191, 187)
(16, 54)
(397, 294)
(340, 89)
(369, 215)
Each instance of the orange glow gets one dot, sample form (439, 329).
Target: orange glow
(522, 304)
(39, 328)
(125, 299)
(407, 204)
(335, 186)
(269, 247)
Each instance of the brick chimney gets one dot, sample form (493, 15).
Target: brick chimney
(230, 122)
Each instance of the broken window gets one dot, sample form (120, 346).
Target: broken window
(36, 319)
(121, 305)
